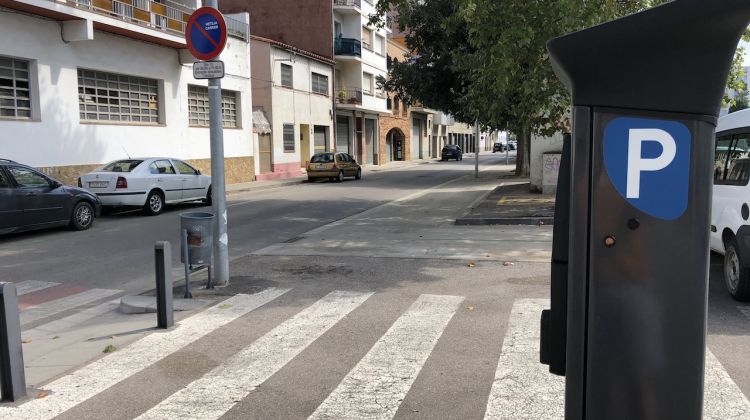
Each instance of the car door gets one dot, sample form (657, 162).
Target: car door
(191, 181)
(167, 179)
(353, 165)
(43, 200)
(11, 207)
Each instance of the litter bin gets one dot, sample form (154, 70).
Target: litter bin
(199, 227)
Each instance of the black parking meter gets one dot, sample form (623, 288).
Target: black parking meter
(627, 324)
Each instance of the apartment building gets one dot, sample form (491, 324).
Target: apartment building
(292, 88)
(84, 82)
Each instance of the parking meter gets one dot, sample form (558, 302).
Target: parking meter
(627, 325)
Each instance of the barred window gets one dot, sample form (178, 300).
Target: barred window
(198, 108)
(320, 84)
(115, 97)
(287, 75)
(288, 138)
(15, 98)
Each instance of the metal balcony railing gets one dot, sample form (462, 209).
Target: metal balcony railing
(348, 3)
(168, 17)
(349, 95)
(237, 28)
(347, 46)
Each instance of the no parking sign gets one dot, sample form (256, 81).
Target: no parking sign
(206, 33)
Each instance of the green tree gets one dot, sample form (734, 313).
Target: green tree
(487, 60)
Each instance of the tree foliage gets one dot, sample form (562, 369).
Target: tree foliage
(487, 59)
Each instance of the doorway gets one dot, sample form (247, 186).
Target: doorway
(265, 152)
(304, 144)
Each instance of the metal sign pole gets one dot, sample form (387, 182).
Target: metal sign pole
(476, 148)
(219, 198)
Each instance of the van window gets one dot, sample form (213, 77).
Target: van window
(738, 163)
(720, 158)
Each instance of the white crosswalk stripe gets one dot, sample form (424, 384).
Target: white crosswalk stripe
(57, 306)
(30, 286)
(523, 388)
(215, 393)
(376, 386)
(100, 375)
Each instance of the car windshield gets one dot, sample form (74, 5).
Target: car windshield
(121, 166)
(322, 158)
(451, 146)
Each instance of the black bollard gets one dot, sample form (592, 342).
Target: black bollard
(12, 379)
(164, 308)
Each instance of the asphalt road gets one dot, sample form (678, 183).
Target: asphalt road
(117, 253)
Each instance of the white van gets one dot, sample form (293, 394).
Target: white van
(730, 227)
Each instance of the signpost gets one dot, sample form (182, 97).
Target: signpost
(206, 36)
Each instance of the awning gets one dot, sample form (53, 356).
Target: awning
(260, 122)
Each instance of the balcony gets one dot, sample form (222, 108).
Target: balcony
(349, 95)
(347, 47)
(352, 7)
(168, 17)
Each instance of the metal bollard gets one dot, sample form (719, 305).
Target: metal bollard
(186, 259)
(12, 379)
(164, 308)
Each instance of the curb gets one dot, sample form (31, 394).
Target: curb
(292, 181)
(480, 221)
(140, 304)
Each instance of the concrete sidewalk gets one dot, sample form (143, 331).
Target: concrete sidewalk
(511, 203)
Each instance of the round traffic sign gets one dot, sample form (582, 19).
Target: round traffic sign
(206, 33)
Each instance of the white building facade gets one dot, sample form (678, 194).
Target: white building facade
(360, 54)
(85, 83)
(293, 90)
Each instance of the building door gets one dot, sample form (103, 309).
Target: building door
(320, 138)
(416, 140)
(389, 146)
(265, 153)
(304, 144)
(370, 141)
(342, 135)
(398, 149)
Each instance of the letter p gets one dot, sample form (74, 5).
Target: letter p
(637, 164)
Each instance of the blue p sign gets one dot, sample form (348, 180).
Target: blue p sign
(648, 162)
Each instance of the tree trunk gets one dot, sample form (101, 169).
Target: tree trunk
(523, 155)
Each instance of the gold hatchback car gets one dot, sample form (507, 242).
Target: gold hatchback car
(334, 166)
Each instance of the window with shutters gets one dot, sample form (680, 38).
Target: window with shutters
(118, 98)
(379, 45)
(15, 96)
(320, 84)
(287, 76)
(367, 79)
(198, 109)
(288, 138)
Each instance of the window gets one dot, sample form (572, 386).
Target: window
(15, 99)
(367, 83)
(122, 166)
(395, 105)
(198, 108)
(379, 43)
(4, 183)
(288, 138)
(113, 97)
(26, 178)
(161, 167)
(320, 84)
(388, 103)
(184, 168)
(367, 38)
(732, 160)
(287, 75)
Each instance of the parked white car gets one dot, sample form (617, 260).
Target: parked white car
(730, 228)
(147, 182)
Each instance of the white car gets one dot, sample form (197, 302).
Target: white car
(147, 182)
(730, 214)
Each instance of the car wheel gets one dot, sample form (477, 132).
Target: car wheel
(83, 216)
(209, 200)
(736, 276)
(154, 203)
(340, 177)
(359, 174)
(310, 179)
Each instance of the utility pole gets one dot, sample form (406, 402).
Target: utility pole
(218, 188)
(476, 148)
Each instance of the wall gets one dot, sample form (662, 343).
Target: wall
(57, 137)
(539, 146)
(307, 25)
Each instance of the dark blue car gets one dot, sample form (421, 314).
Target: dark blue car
(30, 200)
(451, 151)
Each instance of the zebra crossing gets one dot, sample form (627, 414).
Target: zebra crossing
(373, 388)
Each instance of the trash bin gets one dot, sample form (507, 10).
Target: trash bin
(199, 227)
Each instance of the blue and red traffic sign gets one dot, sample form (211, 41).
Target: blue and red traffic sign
(206, 33)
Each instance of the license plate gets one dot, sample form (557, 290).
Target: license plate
(98, 184)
